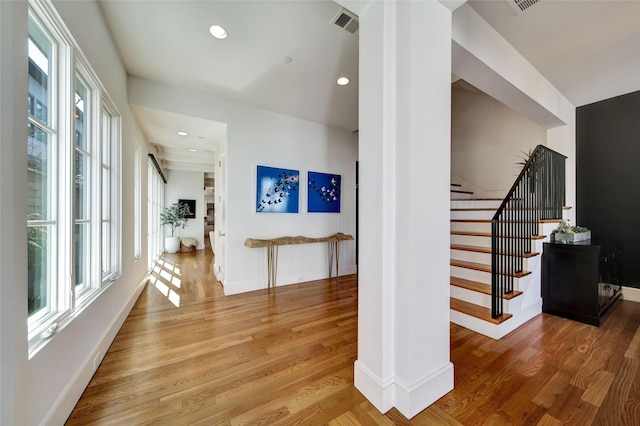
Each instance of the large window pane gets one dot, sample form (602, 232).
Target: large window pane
(81, 117)
(38, 173)
(82, 259)
(81, 183)
(106, 248)
(40, 65)
(106, 138)
(106, 191)
(38, 243)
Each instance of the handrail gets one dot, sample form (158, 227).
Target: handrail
(537, 193)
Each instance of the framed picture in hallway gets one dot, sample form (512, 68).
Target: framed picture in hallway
(192, 207)
(277, 190)
(323, 193)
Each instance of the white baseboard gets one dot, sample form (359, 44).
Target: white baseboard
(379, 392)
(412, 399)
(238, 287)
(69, 397)
(631, 294)
(408, 399)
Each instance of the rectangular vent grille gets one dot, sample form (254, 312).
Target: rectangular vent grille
(347, 21)
(521, 5)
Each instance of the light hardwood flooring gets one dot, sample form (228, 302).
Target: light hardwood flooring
(189, 355)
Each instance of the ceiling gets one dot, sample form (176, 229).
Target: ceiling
(588, 49)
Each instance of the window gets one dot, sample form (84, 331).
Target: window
(137, 214)
(42, 228)
(155, 194)
(73, 225)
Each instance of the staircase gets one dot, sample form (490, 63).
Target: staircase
(471, 270)
(494, 291)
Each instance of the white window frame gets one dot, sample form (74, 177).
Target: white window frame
(137, 203)
(69, 63)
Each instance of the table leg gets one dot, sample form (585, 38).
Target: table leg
(272, 266)
(331, 254)
(338, 259)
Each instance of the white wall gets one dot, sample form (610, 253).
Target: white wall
(487, 140)
(187, 185)
(44, 389)
(259, 137)
(13, 211)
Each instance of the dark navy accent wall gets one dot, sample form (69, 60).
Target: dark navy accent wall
(608, 177)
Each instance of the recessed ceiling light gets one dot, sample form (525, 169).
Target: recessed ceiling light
(182, 133)
(287, 59)
(218, 32)
(193, 150)
(342, 81)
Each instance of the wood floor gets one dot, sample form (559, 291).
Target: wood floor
(188, 355)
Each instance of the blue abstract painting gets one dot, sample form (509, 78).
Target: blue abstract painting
(324, 193)
(277, 190)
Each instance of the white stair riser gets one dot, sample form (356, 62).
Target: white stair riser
(495, 331)
(472, 214)
(471, 226)
(470, 240)
(475, 204)
(470, 274)
(484, 277)
(511, 306)
(475, 324)
(459, 196)
(485, 258)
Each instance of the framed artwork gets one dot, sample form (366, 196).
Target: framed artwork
(192, 207)
(324, 193)
(277, 190)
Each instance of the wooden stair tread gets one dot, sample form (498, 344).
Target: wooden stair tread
(505, 221)
(480, 287)
(488, 234)
(472, 209)
(483, 267)
(476, 311)
(476, 199)
(457, 191)
(456, 184)
(487, 250)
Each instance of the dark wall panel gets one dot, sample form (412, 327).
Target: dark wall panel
(608, 177)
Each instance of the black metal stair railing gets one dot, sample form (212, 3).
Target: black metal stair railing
(538, 193)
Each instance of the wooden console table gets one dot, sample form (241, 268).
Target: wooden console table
(272, 245)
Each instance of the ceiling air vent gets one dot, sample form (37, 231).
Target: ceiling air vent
(521, 5)
(347, 21)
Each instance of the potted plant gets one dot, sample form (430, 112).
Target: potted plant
(176, 217)
(567, 233)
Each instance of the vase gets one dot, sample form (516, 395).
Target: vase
(171, 244)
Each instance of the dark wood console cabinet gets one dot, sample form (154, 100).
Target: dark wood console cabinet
(580, 281)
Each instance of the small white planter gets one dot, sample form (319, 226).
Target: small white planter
(571, 238)
(171, 244)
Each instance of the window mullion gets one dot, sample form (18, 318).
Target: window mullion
(97, 188)
(66, 289)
